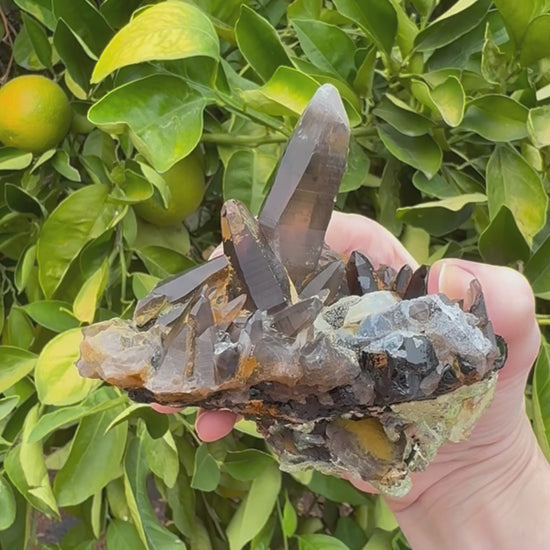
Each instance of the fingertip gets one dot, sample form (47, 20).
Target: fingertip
(213, 425)
(165, 409)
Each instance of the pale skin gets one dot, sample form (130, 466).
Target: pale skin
(493, 490)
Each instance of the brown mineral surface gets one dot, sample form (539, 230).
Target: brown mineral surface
(345, 367)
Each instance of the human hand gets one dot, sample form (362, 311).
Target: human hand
(501, 457)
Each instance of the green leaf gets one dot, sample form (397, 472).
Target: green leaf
(535, 44)
(7, 404)
(246, 465)
(15, 364)
(287, 92)
(94, 459)
(357, 168)
(162, 262)
(163, 113)
(259, 43)
(494, 62)
(517, 16)
(290, 518)
(404, 119)
(118, 12)
(349, 532)
(496, 118)
(437, 186)
(383, 516)
(246, 175)
(168, 30)
(162, 458)
(377, 19)
(131, 187)
(538, 125)
(14, 159)
(25, 267)
(305, 9)
(57, 379)
(81, 217)
(255, 509)
(18, 200)
(122, 535)
(365, 73)
(78, 63)
(51, 315)
(461, 18)
(7, 504)
(142, 284)
(501, 242)
(421, 152)
(39, 40)
(320, 542)
(441, 217)
(326, 46)
(62, 164)
(449, 98)
(537, 270)
(27, 471)
(337, 490)
(41, 9)
(511, 182)
(86, 301)
(206, 472)
(541, 399)
(85, 21)
(153, 535)
(181, 499)
(156, 423)
(99, 401)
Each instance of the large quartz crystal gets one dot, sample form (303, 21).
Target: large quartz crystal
(346, 367)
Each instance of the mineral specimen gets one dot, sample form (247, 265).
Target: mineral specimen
(345, 367)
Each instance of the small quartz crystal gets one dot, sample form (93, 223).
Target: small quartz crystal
(346, 367)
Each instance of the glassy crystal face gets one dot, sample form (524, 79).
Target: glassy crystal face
(345, 367)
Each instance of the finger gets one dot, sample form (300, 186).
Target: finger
(349, 232)
(213, 425)
(165, 409)
(510, 305)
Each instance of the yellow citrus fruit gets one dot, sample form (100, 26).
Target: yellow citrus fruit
(35, 114)
(186, 183)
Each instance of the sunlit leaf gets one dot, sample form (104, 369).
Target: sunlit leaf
(163, 114)
(85, 472)
(181, 31)
(15, 364)
(377, 19)
(255, 509)
(541, 399)
(57, 379)
(260, 44)
(81, 217)
(511, 182)
(496, 117)
(449, 98)
(517, 15)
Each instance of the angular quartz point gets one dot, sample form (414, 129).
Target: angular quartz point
(329, 278)
(418, 284)
(258, 270)
(403, 279)
(360, 274)
(178, 288)
(294, 318)
(296, 213)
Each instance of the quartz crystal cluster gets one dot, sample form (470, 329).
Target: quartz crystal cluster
(345, 366)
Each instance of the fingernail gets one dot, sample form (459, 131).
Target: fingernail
(454, 282)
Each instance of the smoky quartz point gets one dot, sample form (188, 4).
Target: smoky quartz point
(346, 367)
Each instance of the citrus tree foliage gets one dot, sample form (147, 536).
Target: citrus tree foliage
(448, 102)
